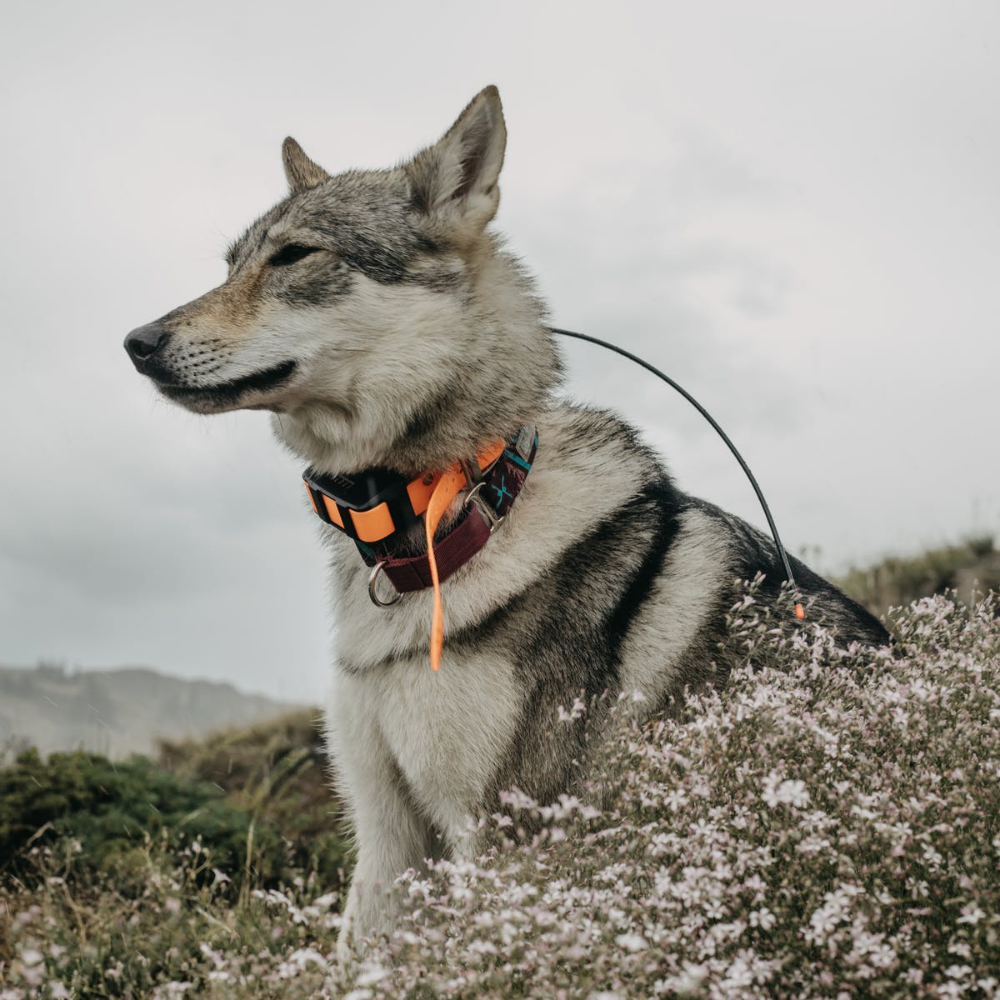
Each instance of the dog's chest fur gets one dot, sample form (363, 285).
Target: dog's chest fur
(443, 734)
(518, 617)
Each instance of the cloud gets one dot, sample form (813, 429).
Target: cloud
(794, 217)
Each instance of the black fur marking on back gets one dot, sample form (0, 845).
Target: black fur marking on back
(665, 500)
(608, 574)
(594, 594)
(755, 552)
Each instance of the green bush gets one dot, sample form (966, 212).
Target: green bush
(146, 879)
(277, 772)
(113, 809)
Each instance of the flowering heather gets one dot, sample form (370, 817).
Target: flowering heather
(827, 826)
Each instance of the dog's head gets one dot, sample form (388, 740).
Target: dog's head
(363, 303)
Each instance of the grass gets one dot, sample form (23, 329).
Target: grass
(124, 879)
(828, 826)
(277, 774)
(898, 580)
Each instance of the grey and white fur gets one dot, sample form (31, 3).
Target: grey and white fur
(383, 324)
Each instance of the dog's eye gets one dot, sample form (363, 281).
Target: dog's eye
(290, 254)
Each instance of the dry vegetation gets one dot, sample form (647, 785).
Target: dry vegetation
(828, 827)
(969, 567)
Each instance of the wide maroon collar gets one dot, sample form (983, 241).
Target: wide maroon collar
(486, 506)
(491, 492)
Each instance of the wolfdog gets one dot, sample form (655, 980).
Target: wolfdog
(399, 347)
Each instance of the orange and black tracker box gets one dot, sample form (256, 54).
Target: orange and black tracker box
(370, 505)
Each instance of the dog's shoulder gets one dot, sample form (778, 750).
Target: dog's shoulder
(647, 534)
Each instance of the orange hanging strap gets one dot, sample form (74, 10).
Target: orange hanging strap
(448, 487)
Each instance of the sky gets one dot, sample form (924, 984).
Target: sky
(791, 208)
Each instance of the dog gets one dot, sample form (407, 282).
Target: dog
(380, 320)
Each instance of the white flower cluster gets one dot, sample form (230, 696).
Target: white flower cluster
(828, 826)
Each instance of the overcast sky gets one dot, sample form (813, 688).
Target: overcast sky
(790, 207)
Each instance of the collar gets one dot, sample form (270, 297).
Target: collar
(378, 507)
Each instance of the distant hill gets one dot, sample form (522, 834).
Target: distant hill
(117, 712)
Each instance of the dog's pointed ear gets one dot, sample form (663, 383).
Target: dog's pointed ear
(301, 172)
(456, 179)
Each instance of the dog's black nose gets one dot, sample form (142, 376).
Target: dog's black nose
(143, 342)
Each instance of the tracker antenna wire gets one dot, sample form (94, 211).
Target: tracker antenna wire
(799, 610)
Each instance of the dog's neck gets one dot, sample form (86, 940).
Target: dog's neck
(503, 369)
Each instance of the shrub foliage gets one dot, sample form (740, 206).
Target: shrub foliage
(973, 564)
(109, 809)
(828, 826)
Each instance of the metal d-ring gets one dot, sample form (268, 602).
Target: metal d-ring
(372, 580)
(493, 519)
